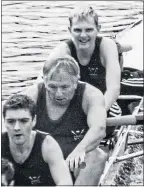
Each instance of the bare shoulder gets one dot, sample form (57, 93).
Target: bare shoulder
(109, 52)
(32, 92)
(107, 42)
(50, 149)
(50, 143)
(108, 46)
(92, 96)
(61, 50)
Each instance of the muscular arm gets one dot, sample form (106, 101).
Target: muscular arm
(53, 156)
(93, 106)
(113, 73)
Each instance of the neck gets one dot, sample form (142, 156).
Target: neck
(86, 52)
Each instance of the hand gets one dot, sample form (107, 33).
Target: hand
(76, 159)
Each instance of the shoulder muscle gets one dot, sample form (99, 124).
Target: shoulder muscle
(51, 150)
(92, 97)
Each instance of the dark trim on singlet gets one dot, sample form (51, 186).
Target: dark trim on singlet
(94, 73)
(34, 171)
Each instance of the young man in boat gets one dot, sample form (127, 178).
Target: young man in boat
(74, 113)
(97, 57)
(36, 157)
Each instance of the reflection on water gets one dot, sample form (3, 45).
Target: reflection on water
(31, 29)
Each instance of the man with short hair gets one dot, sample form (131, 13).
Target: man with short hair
(73, 112)
(36, 156)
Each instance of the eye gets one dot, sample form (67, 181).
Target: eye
(64, 86)
(77, 30)
(11, 121)
(24, 120)
(89, 30)
(52, 86)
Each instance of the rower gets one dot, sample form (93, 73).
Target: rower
(36, 156)
(7, 173)
(73, 112)
(98, 57)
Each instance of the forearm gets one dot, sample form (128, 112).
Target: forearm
(111, 96)
(92, 139)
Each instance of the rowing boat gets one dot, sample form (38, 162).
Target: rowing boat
(126, 122)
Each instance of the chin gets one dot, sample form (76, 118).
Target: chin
(86, 46)
(19, 142)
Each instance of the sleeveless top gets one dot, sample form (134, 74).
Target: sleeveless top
(34, 171)
(94, 73)
(70, 129)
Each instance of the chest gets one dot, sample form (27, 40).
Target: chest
(33, 172)
(90, 58)
(55, 112)
(19, 157)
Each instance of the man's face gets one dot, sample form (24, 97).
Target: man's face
(19, 124)
(61, 87)
(83, 32)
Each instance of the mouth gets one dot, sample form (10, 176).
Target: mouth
(59, 100)
(18, 135)
(83, 41)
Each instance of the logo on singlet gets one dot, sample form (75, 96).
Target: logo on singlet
(92, 70)
(78, 134)
(35, 180)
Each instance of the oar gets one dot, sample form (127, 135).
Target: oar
(126, 120)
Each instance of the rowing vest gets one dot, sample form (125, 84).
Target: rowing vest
(34, 171)
(94, 73)
(70, 129)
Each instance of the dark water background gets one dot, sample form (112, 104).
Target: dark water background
(31, 29)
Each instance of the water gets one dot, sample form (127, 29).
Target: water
(31, 29)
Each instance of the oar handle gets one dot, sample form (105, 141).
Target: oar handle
(125, 120)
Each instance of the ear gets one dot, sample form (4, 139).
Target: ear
(34, 121)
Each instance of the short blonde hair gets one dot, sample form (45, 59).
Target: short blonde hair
(83, 12)
(66, 63)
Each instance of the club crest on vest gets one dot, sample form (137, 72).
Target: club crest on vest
(78, 134)
(35, 179)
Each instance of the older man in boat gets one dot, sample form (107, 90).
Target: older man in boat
(97, 57)
(36, 156)
(74, 113)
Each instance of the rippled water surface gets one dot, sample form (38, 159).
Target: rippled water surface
(31, 29)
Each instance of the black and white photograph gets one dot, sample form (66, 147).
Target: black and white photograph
(72, 84)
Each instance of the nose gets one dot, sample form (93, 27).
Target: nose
(59, 93)
(17, 126)
(83, 34)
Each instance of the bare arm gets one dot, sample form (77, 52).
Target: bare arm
(113, 72)
(60, 51)
(31, 92)
(53, 156)
(93, 105)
